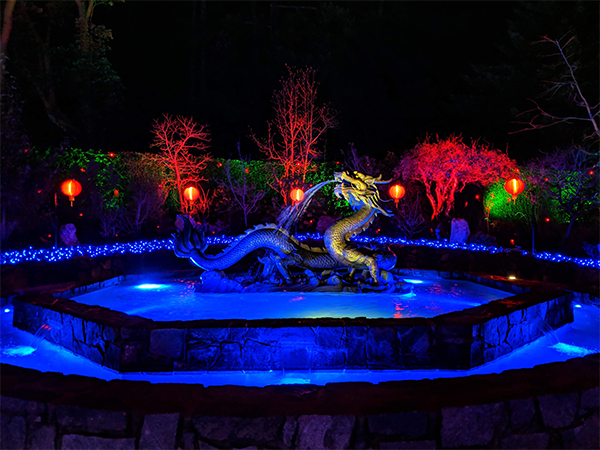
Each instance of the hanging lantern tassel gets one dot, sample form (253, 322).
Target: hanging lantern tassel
(514, 187)
(71, 188)
(397, 191)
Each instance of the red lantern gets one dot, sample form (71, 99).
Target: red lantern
(297, 195)
(397, 191)
(191, 193)
(514, 187)
(71, 188)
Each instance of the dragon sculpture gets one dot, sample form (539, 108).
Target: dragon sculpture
(362, 194)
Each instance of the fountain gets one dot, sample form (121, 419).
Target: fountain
(476, 411)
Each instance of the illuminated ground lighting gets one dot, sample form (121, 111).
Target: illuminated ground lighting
(512, 277)
(410, 280)
(21, 350)
(572, 350)
(7, 310)
(577, 305)
(293, 380)
(149, 286)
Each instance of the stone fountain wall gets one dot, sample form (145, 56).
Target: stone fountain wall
(458, 340)
(551, 406)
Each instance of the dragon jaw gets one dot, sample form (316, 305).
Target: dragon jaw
(359, 189)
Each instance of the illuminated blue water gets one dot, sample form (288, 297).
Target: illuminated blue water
(170, 300)
(579, 338)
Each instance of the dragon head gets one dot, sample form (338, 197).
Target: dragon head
(359, 189)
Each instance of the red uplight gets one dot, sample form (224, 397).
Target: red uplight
(547, 219)
(591, 172)
(111, 154)
(49, 235)
(82, 169)
(512, 242)
(25, 150)
(545, 179)
(80, 214)
(116, 192)
(220, 165)
(39, 192)
(477, 197)
(247, 170)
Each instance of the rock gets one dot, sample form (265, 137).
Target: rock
(583, 436)
(522, 412)
(526, 441)
(558, 410)
(167, 342)
(321, 432)
(159, 431)
(12, 432)
(416, 445)
(214, 281)
(459, 232)
(42, 437)
(470, 425)
(78, 442)
(68, 235)
(411, 424)
(74, 418)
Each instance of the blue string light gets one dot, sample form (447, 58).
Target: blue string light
(92, 251)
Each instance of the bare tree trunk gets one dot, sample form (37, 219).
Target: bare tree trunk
(6, 28)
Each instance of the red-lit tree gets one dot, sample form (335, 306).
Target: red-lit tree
(446, 166)
(298, 126)
(177, 138)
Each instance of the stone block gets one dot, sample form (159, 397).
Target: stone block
(289, 430)
(239, 432)
(188, 441)
(584, 436)
(76, 419)
(259, 356)
(230, 357)
(526, 441)
(470, 425)
(412, 424)
(382, 348)
(522, 412)
(416, 445)
(41, 437)
(331, 338)
(356, 357)
(558, 410)
(203, 358)
(78, 442)
(12, 432)
(415, 340)
(19, 407)
(321, 432)
(328, 359)
(159, 431)
(203, 337)
(167, 342)
(590, 399)
(295, 356)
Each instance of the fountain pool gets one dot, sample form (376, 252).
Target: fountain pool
(166, 300)
(480, 331)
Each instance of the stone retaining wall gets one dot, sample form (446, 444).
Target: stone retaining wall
(458, 340)
(509, 410)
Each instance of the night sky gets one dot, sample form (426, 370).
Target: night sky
(394, 71)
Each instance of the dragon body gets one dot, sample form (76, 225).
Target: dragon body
(338, 252)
